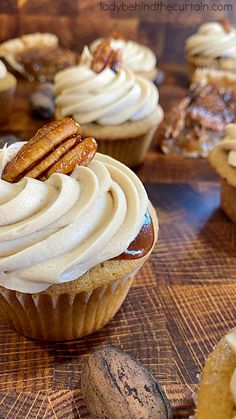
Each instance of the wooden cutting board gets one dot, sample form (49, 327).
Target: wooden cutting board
(180, 305)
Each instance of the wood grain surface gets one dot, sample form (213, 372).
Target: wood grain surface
(184, 298)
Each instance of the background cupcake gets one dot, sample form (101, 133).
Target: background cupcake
(223, 159)
(7, 90)
(217, 393)
(117, 107)
(37, 56)
(137, 57)
(214, 46)
(71, 251)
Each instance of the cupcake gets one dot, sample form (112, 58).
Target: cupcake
(196, 124)
(137, 57)
(7, 90)
(37, 56)
(213, 46)
(217, 394)
(112, 104)
(223, 160)
(83, 228)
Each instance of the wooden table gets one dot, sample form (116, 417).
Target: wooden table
(180, 305)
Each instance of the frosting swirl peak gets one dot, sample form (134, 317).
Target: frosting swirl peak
(107, 98)
(211, 40)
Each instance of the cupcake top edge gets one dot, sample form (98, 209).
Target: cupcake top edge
(212, 40)
(68, 223)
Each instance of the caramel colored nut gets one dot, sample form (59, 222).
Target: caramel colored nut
(225, 24)
(115, 386)
(81, 154)
(38, 169)
(105, 56)
(39, 146)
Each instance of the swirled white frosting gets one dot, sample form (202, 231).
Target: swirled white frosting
(136, 57)
(108, 98)
(212, 41)
(229, 143)
(55, 231)
(3, 70)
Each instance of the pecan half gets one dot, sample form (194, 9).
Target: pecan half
(56, 148)
(105, 56)
(225, 24)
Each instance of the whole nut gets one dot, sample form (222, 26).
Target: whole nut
(115, 386)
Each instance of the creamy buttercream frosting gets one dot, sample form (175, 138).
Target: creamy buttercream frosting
(136, 57)
(3, 70)
(229, 143)
(55, 231)
(107, 98)
(211, 40)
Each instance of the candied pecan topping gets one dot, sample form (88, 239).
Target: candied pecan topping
(105, 56)
(212, 108)
(225, 24)
(117, 35)
(175, 120)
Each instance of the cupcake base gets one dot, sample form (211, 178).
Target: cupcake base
(63, 317)
(128, 142)
(130, 151)
(73, 309)
(219, 161)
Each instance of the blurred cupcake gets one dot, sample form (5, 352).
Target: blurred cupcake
(37, 56)
(112, 104)
(83, 228)
(7, 90)
(196, 124)
(223, 160)
(137, 57)
(213, 46)
(217, 394)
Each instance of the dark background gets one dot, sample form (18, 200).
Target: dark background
(78, 22)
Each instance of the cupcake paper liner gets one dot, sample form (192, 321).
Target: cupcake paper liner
(63, 317)
(130, 151)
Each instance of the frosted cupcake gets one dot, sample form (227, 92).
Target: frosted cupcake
(217, 394)
(113, 105)
(213, 46)
(83, 228)
(137, 57)
(223, 160)
(7, 90)
(37, 56)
